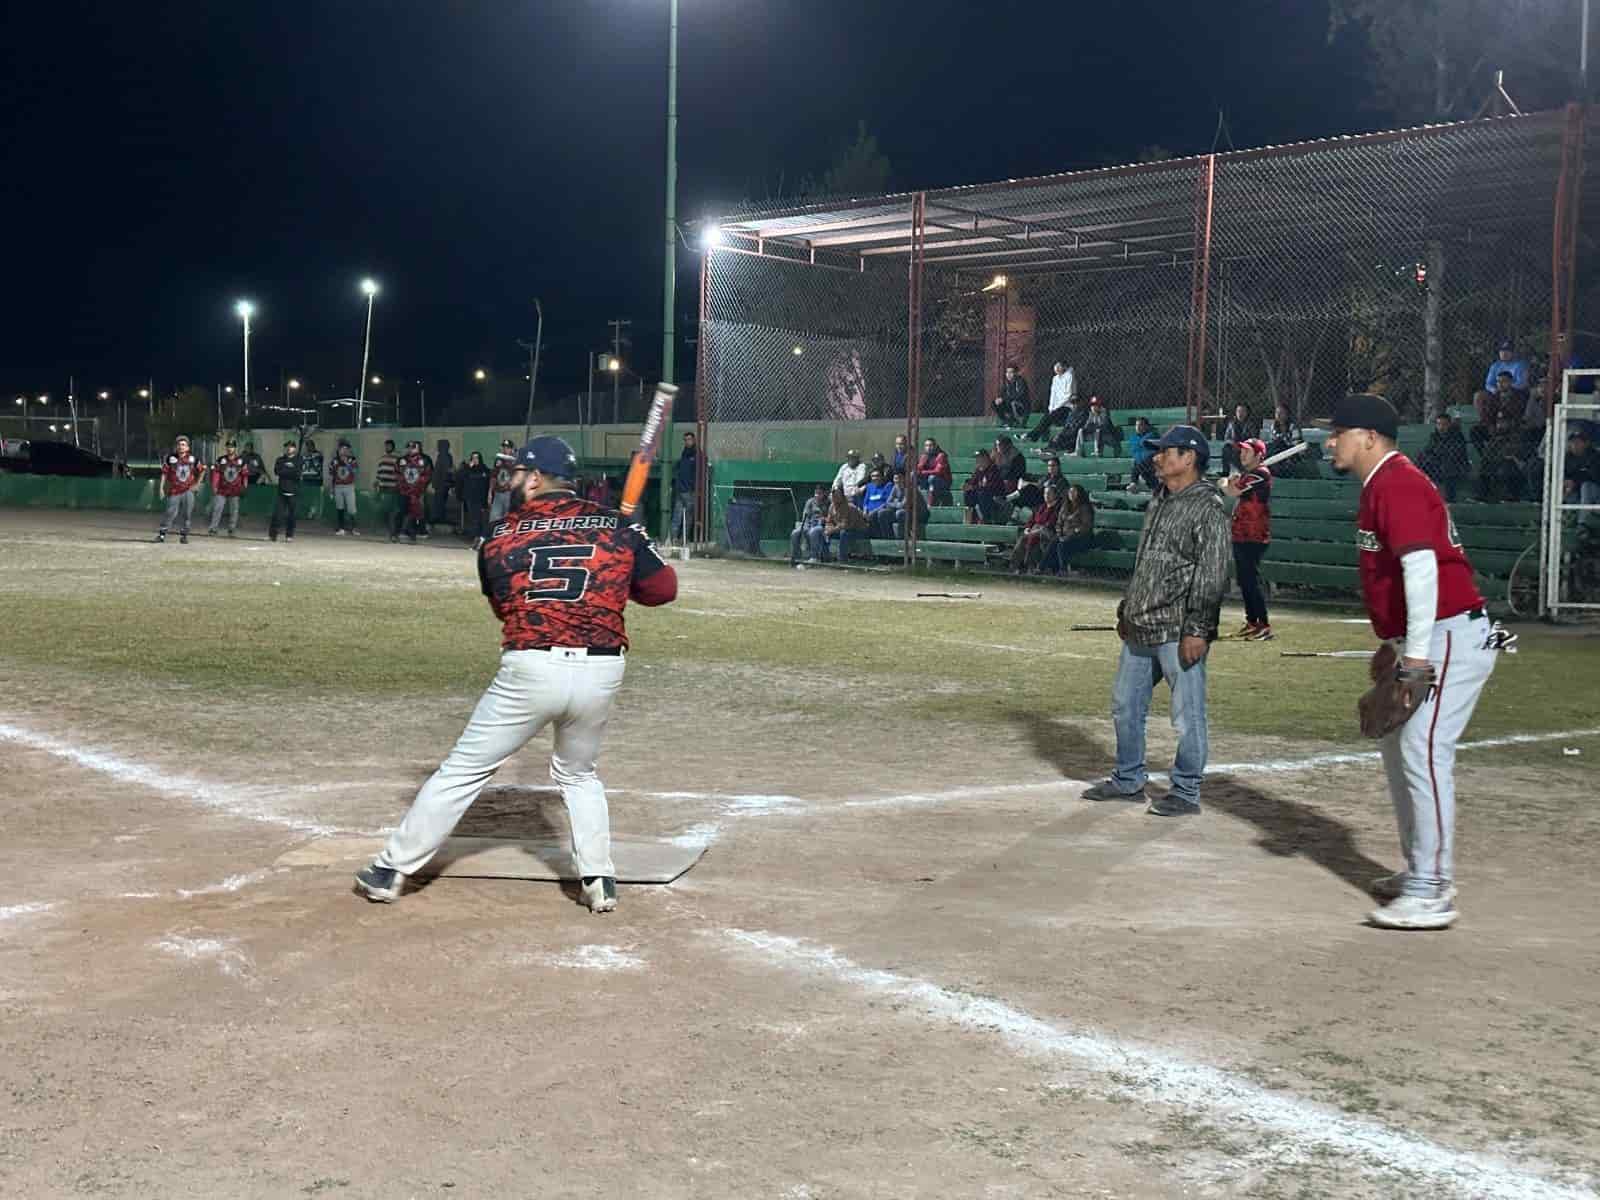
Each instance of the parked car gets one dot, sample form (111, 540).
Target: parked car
(54, 458)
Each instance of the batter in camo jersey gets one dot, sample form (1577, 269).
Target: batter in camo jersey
(181, 473)
(1419, 594)
(558, 572)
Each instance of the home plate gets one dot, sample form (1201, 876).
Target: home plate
(638, 860)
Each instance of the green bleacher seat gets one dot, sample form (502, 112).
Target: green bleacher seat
(994, 535)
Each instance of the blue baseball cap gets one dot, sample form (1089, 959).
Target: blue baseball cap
(549, 456)
(1185, 437)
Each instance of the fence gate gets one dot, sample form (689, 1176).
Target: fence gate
(1569, 524)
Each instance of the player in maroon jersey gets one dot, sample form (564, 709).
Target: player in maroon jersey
(558, 571)
(414, 473)
(230, 475)
(343, 470)
(1252, 532)
(181, 473)
(1420, 596)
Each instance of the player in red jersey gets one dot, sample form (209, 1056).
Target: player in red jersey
(230, 475)
(558, 572)
(1419, 593)
(414, 473)
(343, 471)
(181, 473)
(1252, 533)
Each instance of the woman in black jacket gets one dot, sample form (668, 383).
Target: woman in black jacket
(473, 485)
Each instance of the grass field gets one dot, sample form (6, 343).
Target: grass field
(912, 963)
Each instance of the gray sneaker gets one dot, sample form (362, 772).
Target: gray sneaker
(1107, 789)
(1392, 887)
(381, 885)
(1170, 806)
(598, 892)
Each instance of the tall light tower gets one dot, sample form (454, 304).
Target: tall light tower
(669, 332)
(246, 310)
(370, 288)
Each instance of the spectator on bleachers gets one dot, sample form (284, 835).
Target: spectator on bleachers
(851, 477)
(902, 456)
(1014, 402)
(878, 463)
(1240, 428)
(1075, 414)
(1444, 459)
(1031, 494)
(807, 534)
(875, 502)
(984, 494)
(1502, 468)
(933, 473)
(1032, 542)
(1074, 531)
(1505, 398)
(1063, 391)
(900, 500)
(844, 521)
(1282, 432)
(1252, 533)
(1098, 430)
(1009, 462)
(1507, 362)
(1581, 482)
(1143, 448)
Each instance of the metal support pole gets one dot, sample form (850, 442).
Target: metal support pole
(702, 402)
(1199, 289)
(533, 372)
(669, 332)
(914, 272)
(589, 407)
(366, 349)
(1563, 251)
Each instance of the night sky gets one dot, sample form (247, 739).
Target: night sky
(161, 159)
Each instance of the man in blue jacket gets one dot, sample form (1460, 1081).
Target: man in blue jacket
(875, 503)
(1142, 446)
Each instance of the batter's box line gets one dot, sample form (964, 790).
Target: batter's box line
(1298, 1129)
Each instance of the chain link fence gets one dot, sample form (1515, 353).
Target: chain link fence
(1275, 280)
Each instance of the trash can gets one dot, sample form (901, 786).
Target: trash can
(743, 524)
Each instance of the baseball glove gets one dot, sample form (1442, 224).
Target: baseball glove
(1394, 698)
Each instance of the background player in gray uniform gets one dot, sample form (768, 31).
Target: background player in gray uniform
(558, 572)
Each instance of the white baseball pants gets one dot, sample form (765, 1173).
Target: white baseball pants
(178, 511)
(532, 689)
(1420, 756)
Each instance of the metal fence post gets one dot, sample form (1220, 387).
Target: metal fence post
(1200, 284)
(914, 366)
(702, 407)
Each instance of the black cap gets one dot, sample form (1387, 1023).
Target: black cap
(1362, 410)
(1185, 437)
(549, 456)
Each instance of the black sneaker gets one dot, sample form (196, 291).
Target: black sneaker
(183, 539)
(211, 533)
(272, 537)
(160, 537)
(599, 892)
(1170, 806)
(381, 885)
(394, 537)
(1107, 790)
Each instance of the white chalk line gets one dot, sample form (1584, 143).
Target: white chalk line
(1303, 1127)
(230, 960)
(14, 912)
(231, 800)
(584, 958)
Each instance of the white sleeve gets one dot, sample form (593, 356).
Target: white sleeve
(1421, 569)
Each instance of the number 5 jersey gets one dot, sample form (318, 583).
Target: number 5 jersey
(560, 570)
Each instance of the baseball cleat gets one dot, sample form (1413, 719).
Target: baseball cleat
(338, 533)
(230, 533)
(381, 885)
(1170, 806)
(183, 539)
(1261, 633)
(1415, 912)
(160, 537)
(1106, 789)
(599, 893)
(211, 533)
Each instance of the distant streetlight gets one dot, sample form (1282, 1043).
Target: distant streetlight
(711, 237)
(798, 350)
(105, 395)
(995, 284)
(44, 399)
(294, 385)
(246, 310)
(228, 388)
(480, 374)
(20, 401)
(613, 365)
(369, 288)
(376, 380)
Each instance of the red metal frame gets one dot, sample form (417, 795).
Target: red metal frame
(914, 366)
(1200, 286)
(1564, 252)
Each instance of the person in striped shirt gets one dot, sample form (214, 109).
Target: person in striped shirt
(388, 486)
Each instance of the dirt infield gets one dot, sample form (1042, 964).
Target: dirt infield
(912, 963)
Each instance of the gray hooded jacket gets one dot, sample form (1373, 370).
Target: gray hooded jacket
(1181, 570)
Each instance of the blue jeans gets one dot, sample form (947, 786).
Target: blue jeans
(1138, 671)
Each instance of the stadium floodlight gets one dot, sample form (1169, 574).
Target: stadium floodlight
(996, 284)
(712, 236)
(246, 310)
(369, 287)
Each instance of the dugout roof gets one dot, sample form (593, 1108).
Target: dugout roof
(1472, 180)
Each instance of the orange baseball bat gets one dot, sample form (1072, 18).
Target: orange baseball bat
(649, 441)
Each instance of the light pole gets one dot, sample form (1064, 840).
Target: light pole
(533, 370)
(670, 301)
(370, 288)
(246, 310)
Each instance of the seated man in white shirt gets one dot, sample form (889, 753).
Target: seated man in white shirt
(1063, 390)
(852, 477)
